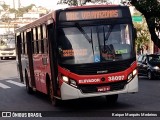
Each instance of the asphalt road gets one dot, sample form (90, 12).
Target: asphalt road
(13, 97)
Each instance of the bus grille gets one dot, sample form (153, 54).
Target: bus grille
(8, 49)
(92, 69)
(93, 88)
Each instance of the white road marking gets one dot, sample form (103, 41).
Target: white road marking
(16, 83)
(4, 86)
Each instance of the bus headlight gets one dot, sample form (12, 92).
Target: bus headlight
(73, 83)
(132, 75)
(156, 67)
(69, 81)
(65, 79)
(134, 72)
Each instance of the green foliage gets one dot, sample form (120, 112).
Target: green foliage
(5, 7)
(23, 10)
(18, 12)
(5, 18)
(69, 2)
(143, 36)
(151, 11)
(12, 10)
(2, 43)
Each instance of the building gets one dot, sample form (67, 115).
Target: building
(9, 21)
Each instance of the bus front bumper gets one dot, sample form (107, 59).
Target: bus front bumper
(68, 92)
(11, 54)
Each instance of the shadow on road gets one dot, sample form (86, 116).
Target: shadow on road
(85, 104)
(7, 61)
(146, 78)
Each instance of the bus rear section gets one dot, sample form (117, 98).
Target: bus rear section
(96, 55)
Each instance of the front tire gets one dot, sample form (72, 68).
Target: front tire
(54, 101)
(112, 99)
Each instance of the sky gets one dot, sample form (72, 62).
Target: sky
(45, 3)
(49, 4)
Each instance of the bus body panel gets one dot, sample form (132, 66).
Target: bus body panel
(40, 71)
(37, 71)
(108, 77)
(69, 92)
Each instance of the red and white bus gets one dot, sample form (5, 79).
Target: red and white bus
(79, 52)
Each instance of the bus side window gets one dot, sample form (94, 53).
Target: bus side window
(32, 41)
(37, 50)
(21, 35)
(25, 43)
(42, 40)
(39, 39)
(35, 41)
(45, 38)
(19, 43)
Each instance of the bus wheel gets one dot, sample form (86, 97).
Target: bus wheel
(54, 101)
(111, 99)
(28, 88)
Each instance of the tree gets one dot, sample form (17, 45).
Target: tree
(23, 10)
(70, 2)
(81, 2)
(5, 16)
(143, 37)
(143, 40)
(151, 11)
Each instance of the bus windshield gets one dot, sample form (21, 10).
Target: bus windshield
(92, 44)
(8, 44)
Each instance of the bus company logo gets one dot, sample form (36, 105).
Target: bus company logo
(6, 114)
(19, 114)
(104, 71)
(89, 80)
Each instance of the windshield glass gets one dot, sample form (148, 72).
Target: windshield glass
(90, 44)
(154, 58)
(8, 44)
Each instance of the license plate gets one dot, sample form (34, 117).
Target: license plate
(103, 88)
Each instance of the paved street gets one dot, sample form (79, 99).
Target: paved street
(13, 97)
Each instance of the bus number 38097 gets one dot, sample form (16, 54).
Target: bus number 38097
(115, 78)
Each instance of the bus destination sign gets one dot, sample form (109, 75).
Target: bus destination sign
(89, 15)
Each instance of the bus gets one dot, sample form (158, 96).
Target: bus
(79, 52)
(7, 46)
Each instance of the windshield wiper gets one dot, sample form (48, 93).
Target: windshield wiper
(83, 32)
(106, 37)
